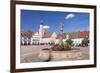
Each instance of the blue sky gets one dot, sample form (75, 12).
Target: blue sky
(73, 21)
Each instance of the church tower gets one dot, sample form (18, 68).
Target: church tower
(41, 29)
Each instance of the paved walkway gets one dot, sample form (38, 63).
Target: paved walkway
(30, 53)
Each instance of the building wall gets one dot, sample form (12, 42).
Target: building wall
(77, 41)
(53, 37)
(46, 40)
(35, 39)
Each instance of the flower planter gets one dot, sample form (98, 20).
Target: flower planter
(66, 55)
(48, 55)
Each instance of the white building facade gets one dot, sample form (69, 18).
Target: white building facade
(42, 37)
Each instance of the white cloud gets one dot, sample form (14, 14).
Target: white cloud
(70, 16)
(46, 27)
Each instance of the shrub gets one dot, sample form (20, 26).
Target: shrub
(57, 47)
(85, 42)
(67, 46)
(69, 42)
(63, 47)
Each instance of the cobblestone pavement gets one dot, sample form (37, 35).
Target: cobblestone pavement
(30, 53)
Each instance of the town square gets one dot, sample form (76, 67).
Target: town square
(43, 41)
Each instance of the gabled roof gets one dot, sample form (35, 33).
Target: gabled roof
(47, 34)
(80, 34)
(61, 35)
(26, 33)
(83, 34)
(72, 35)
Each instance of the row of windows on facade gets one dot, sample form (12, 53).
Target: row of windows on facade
(27, 41)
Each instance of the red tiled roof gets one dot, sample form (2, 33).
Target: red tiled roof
(27, 33)
(83, 34)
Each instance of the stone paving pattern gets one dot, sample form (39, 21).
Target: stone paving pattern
(31, 53)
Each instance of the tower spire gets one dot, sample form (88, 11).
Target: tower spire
(41, 29)
(41, 22)
(61, 28)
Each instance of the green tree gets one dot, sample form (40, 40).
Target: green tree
(69, 42)
(85, 42)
